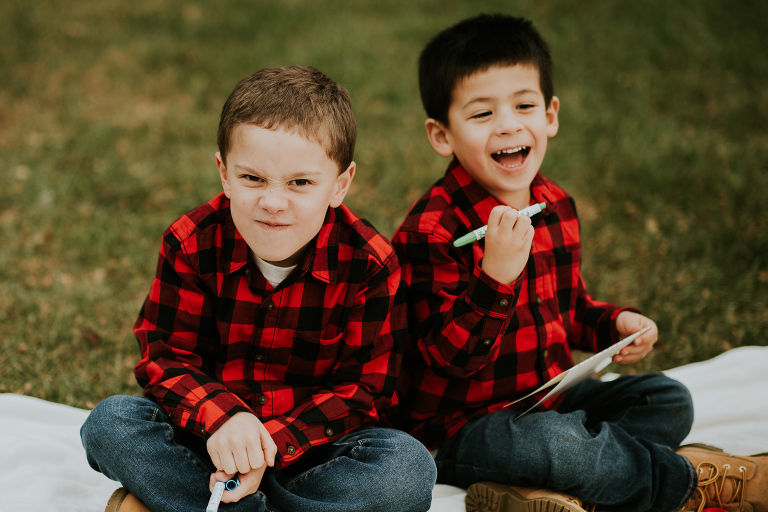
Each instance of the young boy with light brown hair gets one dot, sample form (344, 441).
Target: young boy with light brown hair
(272, 335)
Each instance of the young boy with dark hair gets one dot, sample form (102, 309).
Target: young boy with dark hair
(272, 335)
(493, 320)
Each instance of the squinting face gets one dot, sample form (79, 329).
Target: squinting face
(498, 130)
(280, 186)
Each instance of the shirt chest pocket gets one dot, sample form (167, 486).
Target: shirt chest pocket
(312, 359)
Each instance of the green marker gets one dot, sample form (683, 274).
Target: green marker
(479, 233)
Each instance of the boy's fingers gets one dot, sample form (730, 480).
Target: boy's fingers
(228, 464)
(270, 453)
(216, 459)
(522, 222)
(508, 220)
(242, 461)
(529, 233)
(268, 446)
(255, 456)
(219, 476)
(496, 216)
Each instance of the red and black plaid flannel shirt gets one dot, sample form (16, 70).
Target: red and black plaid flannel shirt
(474, 343)
(314, 359)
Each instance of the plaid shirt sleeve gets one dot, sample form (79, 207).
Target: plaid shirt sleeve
(178, 337)
(326, 345)
(459, 312)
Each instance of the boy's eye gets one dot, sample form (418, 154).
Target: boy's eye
(300, 182)
(526, 106)
(252, 178)
(480, 115)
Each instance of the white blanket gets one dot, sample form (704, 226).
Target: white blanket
(43, 466)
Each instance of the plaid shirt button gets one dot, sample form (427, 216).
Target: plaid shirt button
(538, 300)
(269, 306)
(329, 432)
(263, 399)
(503, 303)
(290, 449)
(259, 358)
(487, 341)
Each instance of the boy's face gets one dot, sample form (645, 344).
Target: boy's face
(498, 130)
(280, 186)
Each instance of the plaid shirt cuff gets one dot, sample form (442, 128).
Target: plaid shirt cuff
(490, 297)
(209, 414)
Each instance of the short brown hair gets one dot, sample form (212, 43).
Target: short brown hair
(293, 98)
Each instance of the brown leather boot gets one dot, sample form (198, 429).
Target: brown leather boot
(495, 497)
(123, 501)
(731, 482)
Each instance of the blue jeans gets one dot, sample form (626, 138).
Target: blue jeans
(609, 443)
(129, 439)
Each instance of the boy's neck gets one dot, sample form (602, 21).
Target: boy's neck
(517, 200)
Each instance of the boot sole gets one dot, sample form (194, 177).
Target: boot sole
(495, 497)
(116, 500)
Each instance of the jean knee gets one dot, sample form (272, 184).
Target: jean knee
(680, 402)
(409, 472)
(111, 420)
(417, 459)
(685, 406)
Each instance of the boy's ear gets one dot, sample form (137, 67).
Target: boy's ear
(343, 181)
(222, 173)
(439, 137)
(552, 122)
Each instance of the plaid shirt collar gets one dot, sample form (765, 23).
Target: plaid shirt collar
(476, 202)
(321, 259)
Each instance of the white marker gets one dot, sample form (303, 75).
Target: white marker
(218, 491)
(479, 233)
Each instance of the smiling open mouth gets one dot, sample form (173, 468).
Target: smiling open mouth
(513, 157)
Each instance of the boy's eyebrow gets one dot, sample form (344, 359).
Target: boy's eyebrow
(292, 176)
(485, 98)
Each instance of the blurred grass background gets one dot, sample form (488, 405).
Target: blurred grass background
(108, 115)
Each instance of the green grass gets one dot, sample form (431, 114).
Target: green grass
(108, 114)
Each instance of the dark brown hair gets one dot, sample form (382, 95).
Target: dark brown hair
(474, 45)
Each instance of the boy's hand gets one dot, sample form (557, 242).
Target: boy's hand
(627, 323)
(249, 483)
(242, 444)
(507, 244)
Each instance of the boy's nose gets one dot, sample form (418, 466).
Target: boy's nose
(272, 201)
(508, 123)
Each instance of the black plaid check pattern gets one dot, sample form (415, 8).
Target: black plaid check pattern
(474, 343)
(314, 359)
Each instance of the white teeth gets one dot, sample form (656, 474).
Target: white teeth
(509, 151)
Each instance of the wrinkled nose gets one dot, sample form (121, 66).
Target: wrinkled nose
(272, 201)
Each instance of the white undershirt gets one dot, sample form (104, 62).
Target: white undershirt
(274, 274)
